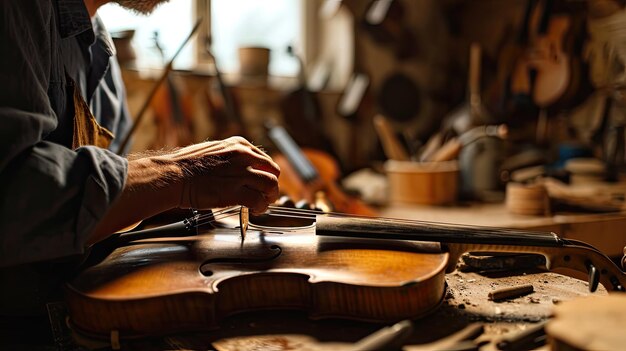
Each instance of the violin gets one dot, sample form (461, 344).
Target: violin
(311, 175)
(510, 53)
(301, 112)
(342, 266)
(224, 113)
(173, 114)
(173, 111)
(544, 71)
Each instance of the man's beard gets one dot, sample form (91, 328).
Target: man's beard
(140, 6)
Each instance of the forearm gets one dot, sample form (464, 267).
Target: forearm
(153, 185)
(205, 175)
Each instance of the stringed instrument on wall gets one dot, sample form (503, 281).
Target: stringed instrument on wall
(302, 114)
(189, 277)
(224, 112)
(544, 72)
(499, 95)
(173, 111)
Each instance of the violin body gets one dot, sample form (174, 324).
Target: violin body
(371, 269)
(190, 284)
(550, 63)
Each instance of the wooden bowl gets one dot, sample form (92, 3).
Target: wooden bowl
(527, 199)
(254, 62)
(427, 183)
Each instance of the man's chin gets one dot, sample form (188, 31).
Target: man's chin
(144, 7)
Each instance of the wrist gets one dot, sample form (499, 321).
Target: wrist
(159, 178)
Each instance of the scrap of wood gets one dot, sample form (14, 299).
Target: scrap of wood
(511, 292)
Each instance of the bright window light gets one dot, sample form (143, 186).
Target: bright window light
(274, 24)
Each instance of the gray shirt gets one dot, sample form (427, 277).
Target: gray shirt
(51, 196)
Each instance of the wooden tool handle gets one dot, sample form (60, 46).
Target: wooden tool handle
(474, 69)
(449, 151)
(392, 147)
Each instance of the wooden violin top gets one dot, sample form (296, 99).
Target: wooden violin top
(192, 283)
(200, 263)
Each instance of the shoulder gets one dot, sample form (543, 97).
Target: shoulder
(30, 9)
(26, 37)
(20, 16)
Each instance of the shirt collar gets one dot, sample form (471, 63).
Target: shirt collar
(103, 36)
(73, 18)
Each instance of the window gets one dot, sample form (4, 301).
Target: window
(172, 20)
(274, 24)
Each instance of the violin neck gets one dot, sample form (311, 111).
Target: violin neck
(379, 228)
(559, 253)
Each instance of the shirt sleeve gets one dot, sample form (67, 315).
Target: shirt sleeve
(51, 197)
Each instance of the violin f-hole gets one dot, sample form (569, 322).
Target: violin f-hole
(208, 267)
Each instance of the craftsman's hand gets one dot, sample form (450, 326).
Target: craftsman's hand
(227, 172)
(206, 175)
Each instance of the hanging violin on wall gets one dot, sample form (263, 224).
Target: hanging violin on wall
(360, 268)
(172, 109)
(544, 72)
(302, 113)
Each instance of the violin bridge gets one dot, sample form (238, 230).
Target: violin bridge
(244, 216)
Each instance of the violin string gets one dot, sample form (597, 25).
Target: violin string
(303, 214)
(314, 213)
(311, 214)
(287, 212)
(228, 211)
(207, 218)
(216, 216)
(434, 226)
